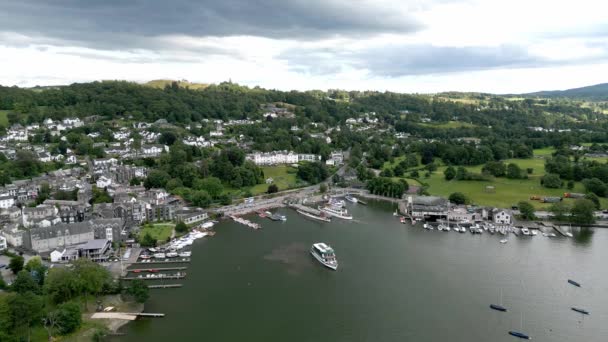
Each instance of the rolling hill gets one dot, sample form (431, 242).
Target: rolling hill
(594, 92)
(182, 83)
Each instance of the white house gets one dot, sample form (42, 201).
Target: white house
(6, 202)
(501, 216)
(56, 255)
(153, 150)
(103, 182)
(71, 160)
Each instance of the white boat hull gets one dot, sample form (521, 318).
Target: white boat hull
(328, 265)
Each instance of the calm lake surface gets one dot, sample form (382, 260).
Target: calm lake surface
(395, 282)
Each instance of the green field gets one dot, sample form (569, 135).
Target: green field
(159, 231)
(506, 191)
(449, 124)
(284, 177)
(4, 118)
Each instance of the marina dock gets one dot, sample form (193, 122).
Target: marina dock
(165, 286)
(159, 276)
(174, 261)
(245, 222)
(157, 269)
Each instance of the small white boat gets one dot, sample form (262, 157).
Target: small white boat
(339, 213)
(525, 231)
(186, 254)
(325, 255)
(425, 226)
(504, 241)
(159, 255)
(207, 225)
(396, 213)
(172, 255)
(568, 234)
(533, 232)
(351, 199)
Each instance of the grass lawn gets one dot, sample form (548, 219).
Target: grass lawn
(449, 124)
(4, 118)
(284, 177)
(159, 231)
(507, 191)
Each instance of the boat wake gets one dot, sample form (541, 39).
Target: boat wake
(295, 256)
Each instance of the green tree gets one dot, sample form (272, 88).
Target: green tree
(36, 269)
(138, 290)
(272, 188)
(596, 186)
(16, 264)
(212, 185)
(201, 198)
(513, 171)
(156, 179)
(583, 211)
(559, 210)
(135, 181)
(526, 210)
(411, 160)
(91, 277)
(414, 174)
(68, 317)
(593, 198)
(458, 198)
(181, 227)
(449, 173)
(323, 188)
(495, 168)
(225, 199)
(147, 240)
(26, 311)
(25, 283)
(61, 285)
(551, 180)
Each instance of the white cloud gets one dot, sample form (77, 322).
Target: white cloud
(467, 45)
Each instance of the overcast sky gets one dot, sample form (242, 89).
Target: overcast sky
(399, 45)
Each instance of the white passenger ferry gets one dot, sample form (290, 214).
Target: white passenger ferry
(325, 255)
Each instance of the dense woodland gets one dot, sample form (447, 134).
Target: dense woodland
(438, 128)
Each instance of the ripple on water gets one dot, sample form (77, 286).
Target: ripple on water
(294, 256)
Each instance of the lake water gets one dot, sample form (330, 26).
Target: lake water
(395, 283)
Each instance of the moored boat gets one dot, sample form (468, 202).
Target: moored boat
(574, 283)
(503, 241)
(339, 213)
(159, 255)
(313, 216)
(498, 307)
(171, 255)
(278, 217)
(325, 255)
(519, 334)
(584, 312)
(185, 254)
(351, 198)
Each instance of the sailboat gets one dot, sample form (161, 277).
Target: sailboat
(520, 334)
(498, 307)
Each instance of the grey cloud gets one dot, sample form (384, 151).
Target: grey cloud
(404, 60)
(120, 24)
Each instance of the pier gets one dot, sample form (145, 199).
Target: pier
(245, 222)
(136, 270)
(165, 286)
(159, 276)
(176, 261)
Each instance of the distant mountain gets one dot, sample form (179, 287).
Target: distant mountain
(594, 92)
(183, 83)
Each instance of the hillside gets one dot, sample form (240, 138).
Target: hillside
(182, 83)
(594, 92)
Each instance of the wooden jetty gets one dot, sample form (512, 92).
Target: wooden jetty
(129, 316)
(555, 227)
(245, 222)
(165, 286)
(151, 262)
(159, 276)
(137, 270)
